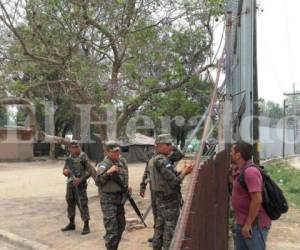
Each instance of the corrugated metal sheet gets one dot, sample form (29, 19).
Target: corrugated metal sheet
(207, 221)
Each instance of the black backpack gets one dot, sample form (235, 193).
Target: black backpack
(274, 201)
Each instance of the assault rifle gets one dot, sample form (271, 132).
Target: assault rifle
(116, 178)
(72, 177)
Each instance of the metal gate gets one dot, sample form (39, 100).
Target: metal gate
(203, 223)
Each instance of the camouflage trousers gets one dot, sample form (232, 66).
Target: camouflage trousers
(72, 201)
(153, 206)
(113, 218)
(168, 209)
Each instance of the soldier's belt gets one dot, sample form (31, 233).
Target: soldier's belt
(82, 183)
(162, 195)
(113, 193)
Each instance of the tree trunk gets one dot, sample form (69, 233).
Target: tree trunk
(114, 81)
(52, 151)
(76, 128)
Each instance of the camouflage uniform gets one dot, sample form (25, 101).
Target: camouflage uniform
(175, 156)
(112, 201)
(165, 184)
(143, 185)
(85, 170)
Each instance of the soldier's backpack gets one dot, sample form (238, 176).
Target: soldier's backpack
(274, 201)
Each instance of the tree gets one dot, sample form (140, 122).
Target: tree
(3, 117)
(124, 53)
(184, 106)
(271, 109)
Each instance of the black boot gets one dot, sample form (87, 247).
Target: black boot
(70, 226)
(86, 228)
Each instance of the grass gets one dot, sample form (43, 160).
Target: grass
(288, 178)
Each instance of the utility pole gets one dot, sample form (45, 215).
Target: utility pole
(283, 128)
(294, 94)
(227, 108)
(256, 144)
(295, 118)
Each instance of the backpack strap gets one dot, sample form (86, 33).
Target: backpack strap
(241, 178)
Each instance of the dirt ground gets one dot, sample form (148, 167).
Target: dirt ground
(33, 207)
(295, 162)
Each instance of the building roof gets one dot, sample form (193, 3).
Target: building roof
(137, 139)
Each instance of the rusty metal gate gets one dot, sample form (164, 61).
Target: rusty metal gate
(203, 223)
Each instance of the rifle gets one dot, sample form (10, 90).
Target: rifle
(149, 208)
(70, 166)
(128, 196)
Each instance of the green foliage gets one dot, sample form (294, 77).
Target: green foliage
(288, 178)
(3, 117)
(290, 102)
(271, 109)
(118, 53)
(188, 102)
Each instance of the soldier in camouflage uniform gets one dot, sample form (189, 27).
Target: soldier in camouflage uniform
(111, 194)
(78, 170)
(143, 185)
(165, 184)
(175, 156)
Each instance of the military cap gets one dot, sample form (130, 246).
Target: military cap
(74, 143)
(163, 138)
(112, 146)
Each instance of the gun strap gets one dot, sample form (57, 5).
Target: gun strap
(119, 182)
(71, 166)
(116, 179)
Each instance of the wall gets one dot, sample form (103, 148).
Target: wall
(15, 144)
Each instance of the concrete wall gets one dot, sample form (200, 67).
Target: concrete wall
(16, 144)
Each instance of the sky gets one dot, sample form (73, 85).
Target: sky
(278, 41)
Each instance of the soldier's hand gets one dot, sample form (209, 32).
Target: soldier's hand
(187, 168)
(76, 182)
(129, 190)
(66, 172)
(113, 169)
(142, 194)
